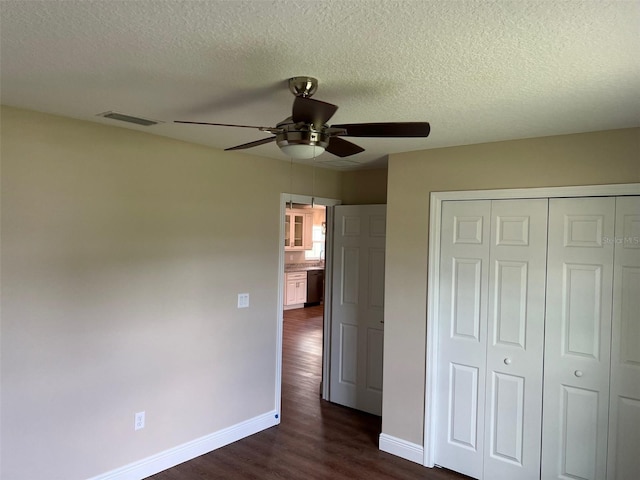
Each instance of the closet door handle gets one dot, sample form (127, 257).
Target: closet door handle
(507, 361)
(578, 373)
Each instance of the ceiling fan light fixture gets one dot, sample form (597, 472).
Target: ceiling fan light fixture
(302, 144)
(301, 151)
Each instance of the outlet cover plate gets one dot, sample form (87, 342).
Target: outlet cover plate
(139, 421)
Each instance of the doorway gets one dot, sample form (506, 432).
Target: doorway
(303, 302)
(304, 246)
(299, 261)
(353, 305)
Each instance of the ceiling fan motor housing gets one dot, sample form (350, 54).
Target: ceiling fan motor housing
(302, 137)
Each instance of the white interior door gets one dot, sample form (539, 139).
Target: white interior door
(358, 307)
(464, 272)
(577, 338)
(515, 340)
(624, 412)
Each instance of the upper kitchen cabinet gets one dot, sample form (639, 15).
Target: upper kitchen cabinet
(298, 226)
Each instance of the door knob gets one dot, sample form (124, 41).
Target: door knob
(578, 373)
(507, 361)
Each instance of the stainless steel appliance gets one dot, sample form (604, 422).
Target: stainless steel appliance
(315, 287)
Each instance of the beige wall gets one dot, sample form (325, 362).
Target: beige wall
(582, 159)
(122, 257)
(123, 254)
(361, 187)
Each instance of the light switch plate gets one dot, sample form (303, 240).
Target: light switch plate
(243, 300)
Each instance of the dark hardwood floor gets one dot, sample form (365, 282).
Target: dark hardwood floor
(316, 439)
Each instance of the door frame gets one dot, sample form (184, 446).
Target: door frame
(326, 357)
(433, 279)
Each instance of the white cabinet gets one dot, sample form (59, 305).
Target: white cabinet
(298, 225)
(295, 288)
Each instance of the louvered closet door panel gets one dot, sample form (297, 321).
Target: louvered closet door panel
(624, 413)
(577, 338)
(515, 339)
(464, 275)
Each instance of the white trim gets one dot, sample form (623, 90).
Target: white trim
(328, 296)
(401, 448)
(308, 200)
(542, 192)
(435, 209)
(293, 307)
(433, 292)
(280, 307)
(187, 451)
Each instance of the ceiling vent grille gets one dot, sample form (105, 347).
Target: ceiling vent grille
(128, 118)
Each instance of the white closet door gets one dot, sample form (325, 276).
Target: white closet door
(577, 338)
(464, 272)
(515, 339)
(624, 413)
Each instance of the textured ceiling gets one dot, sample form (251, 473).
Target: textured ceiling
(478, 71)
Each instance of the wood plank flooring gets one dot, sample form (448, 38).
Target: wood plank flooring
(316, 439)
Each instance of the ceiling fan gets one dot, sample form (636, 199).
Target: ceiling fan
(305, 134)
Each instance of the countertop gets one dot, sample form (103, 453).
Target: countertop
(301, 268)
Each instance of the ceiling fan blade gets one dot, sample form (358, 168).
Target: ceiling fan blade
(251, 144)
(224, 125)
(343, 148)
(308, 110)
(390, 129)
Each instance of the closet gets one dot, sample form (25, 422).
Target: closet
(538, 339)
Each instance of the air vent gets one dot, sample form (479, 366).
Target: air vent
(128, 118)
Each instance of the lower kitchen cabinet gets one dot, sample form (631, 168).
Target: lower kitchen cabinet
(295, 289)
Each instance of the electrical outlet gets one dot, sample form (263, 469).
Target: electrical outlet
(243, 300)
(139, 421)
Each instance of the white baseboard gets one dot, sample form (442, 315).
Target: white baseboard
(401, 448)
(292, 307)
(187, 451)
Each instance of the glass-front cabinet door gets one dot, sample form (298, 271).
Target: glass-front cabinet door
(298, 231)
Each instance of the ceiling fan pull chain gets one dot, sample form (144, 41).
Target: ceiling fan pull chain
(291, 183)
(313, 179)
